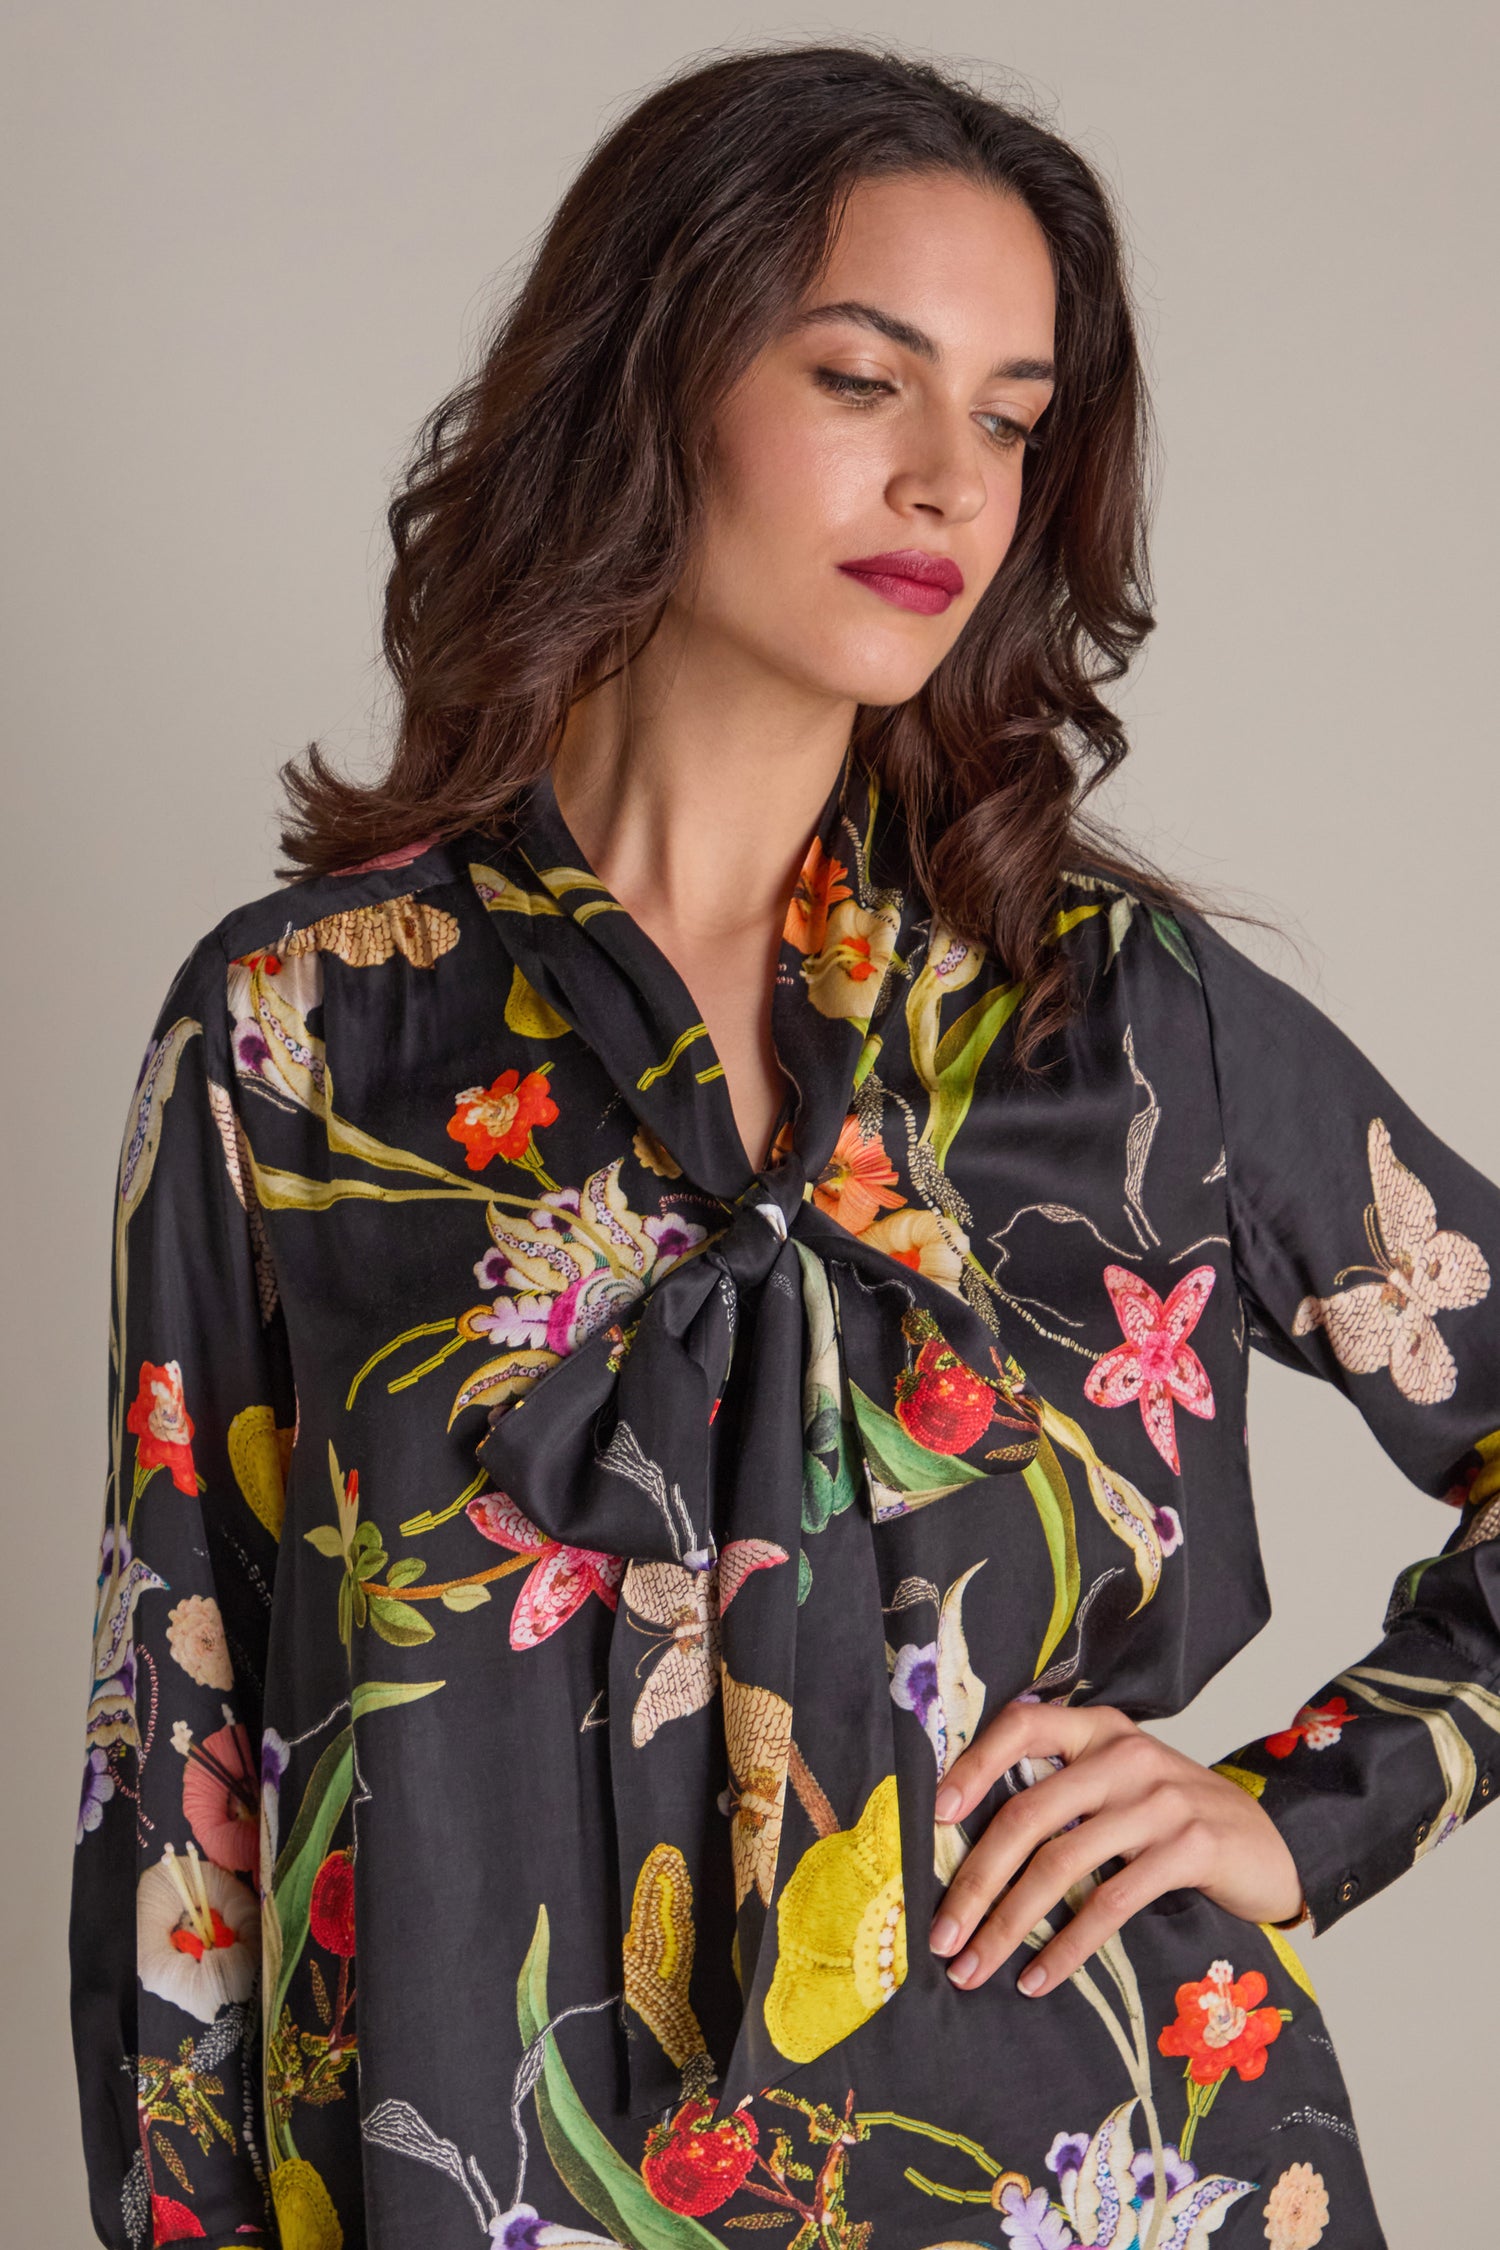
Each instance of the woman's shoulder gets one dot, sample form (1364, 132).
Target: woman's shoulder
(402, 907)
(361, 908)
(1123, 942)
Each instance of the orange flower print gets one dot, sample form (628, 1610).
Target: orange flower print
(162, 1427)
(1221, 2025)
(820, 884)
(857, 1182)
(498, 1120)
(1319, 1725)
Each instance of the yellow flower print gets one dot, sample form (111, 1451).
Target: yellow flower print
(844, 977)
(841, 1933)
(305, 2216)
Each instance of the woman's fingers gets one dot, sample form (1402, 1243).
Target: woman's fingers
(1120, 1793)
(1159, 1868)
(1008, 1840)
(1043, 1884)
(1025, 1730)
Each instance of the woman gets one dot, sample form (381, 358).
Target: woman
(682, 1301)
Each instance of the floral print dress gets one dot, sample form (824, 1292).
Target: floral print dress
(548, 1565)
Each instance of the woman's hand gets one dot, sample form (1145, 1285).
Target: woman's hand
(1177, 1824)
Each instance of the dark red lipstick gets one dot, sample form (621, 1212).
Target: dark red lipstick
(909, 577)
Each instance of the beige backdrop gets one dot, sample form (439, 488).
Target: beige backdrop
(248, 247)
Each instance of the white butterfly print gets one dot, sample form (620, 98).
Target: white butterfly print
(1423, 1270)
(687, 1605)
(684, 1598)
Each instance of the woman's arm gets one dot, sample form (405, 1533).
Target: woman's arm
(1368, 1253)
(165, 1924)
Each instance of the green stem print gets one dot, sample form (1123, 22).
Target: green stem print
(286, 1907)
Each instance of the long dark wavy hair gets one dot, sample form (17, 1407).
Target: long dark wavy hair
(550, 503)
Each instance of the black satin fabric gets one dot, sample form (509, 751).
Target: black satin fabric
(563, 1787)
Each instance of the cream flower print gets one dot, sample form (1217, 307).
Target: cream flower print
(1297, 2211)
(844, 977)
(197, 1933)
(924, 1240)
(1423, 1270)
(195, 1635)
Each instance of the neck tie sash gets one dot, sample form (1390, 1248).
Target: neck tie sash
(762, 1891)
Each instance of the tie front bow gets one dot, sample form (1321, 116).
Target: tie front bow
(713, 1437)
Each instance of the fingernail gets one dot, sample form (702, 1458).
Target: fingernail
(944, 1934)
(1032, 1979)
(963, 1968)
(947, 1800)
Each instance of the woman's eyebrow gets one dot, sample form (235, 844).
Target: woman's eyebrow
(917, 340)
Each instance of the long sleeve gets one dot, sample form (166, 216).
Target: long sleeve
(1368, 1253)
(164, 1934)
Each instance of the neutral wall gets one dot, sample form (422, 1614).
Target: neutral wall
(248, 247)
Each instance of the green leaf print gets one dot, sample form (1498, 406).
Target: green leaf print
(591, 2168)
(1048, 1487)
(909, 1470)
(960, 1052)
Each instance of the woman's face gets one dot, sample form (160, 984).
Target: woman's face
(888, 419)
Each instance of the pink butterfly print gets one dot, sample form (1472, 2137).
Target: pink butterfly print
(563, 1579)
(402, 856)
(1155, 1364)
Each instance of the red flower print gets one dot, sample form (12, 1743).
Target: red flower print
(172, 2221)
(331, 1910)
(161, 1425)
(858, 1181)
(692, 2164)
(1155, 1364)
(1317, 1724)
(941, 1402)
(497, 1120)
(820, 885)
(1221, 2025)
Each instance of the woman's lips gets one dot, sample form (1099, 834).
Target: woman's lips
(909, 577)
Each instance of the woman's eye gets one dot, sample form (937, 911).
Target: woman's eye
(860, 390)
(1008, 434)
(863, 390)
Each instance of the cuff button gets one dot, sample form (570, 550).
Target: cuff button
(1348, 1888)
(1419, 1833)
(1484, 1785)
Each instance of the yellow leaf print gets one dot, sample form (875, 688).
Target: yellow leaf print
(528, 1014)
(259, 1454)
(659, 1952)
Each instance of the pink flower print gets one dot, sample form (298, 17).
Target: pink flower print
(561, 1579)
(1155, 1364)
